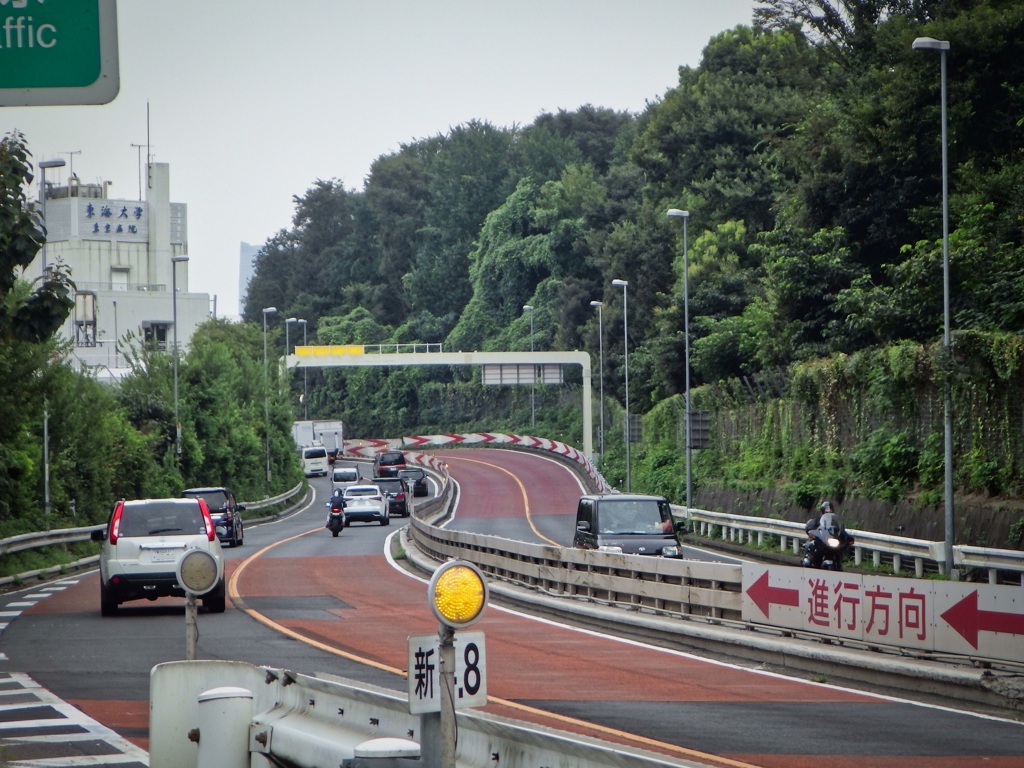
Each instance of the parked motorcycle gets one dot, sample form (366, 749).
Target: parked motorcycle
(336, 517)
(827, 543)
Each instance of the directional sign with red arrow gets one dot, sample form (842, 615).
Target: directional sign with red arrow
(967, 619)
(764, 595)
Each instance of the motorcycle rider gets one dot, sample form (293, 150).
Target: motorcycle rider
(826, 526)
(336, 503)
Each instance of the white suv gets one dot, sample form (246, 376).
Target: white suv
(142, 544)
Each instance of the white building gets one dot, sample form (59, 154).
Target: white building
(121, 255)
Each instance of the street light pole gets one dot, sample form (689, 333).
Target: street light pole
(43, 165)
(624, 285)
(685, 216)
(600, 346)
(47, 503)
(931, 44)
(175, 260)
(533, 382)
(266, 386)
(305, 393)
(287, 349)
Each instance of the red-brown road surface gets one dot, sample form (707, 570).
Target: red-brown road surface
(664, 701)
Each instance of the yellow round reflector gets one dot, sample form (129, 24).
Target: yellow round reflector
(458, 593)
(197, 571)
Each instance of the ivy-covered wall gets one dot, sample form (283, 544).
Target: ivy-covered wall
(866, 430)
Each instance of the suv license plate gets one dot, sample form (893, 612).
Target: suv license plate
(163, 555)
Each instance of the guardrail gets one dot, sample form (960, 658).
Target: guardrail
(927, 556)
(223, 713)
(65, 536)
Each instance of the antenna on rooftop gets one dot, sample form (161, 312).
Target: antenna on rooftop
(71, 161)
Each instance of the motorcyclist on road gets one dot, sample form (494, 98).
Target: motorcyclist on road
(336, 504)
(826, 533)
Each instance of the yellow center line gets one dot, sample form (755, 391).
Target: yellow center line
(239, 602)
(522, 491)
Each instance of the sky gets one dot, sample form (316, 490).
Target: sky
(250, 102)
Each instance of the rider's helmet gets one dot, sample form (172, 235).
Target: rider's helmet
(826, 506)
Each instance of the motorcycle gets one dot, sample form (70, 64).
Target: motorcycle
(336, 518)
(827, 543)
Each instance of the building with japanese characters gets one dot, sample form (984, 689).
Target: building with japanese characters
(125, 258)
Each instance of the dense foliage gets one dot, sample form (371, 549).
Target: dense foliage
(805, 147)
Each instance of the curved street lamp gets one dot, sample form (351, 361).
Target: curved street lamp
(931, 44)
(47, 503)
(685, 216)
(600, 344)
(305, 398)
(266, 385)
(624, 285)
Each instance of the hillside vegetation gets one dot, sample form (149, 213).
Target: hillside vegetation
(806, 149)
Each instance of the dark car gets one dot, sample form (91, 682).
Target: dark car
(416, 478)
(629, 524)
(397, 491)
(225, 511)
(388, 463)
(332, 455)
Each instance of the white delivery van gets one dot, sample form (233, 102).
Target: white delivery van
(343, 477)
(314, 460)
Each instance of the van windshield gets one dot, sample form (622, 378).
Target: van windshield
(642, 516)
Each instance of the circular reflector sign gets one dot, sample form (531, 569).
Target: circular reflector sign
(197, 571)
(458, 593)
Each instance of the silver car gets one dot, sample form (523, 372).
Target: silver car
(142, 544)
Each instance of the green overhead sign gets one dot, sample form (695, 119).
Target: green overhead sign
(58, 52)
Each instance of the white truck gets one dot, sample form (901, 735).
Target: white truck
(330, 434)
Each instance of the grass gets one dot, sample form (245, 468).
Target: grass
(46, 557)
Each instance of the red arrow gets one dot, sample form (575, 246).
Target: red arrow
(764, 596)
(968, 620)
(416, 441)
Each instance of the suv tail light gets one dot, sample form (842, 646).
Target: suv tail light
(211, 529)
(115, 523)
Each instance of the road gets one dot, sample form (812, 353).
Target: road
(306, 601)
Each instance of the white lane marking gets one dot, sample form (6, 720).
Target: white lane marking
(704, 659)
(91, 730)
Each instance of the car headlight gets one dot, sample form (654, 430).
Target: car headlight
(671, 552)
(613, 550)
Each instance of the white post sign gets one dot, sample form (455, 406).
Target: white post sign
(425, 677)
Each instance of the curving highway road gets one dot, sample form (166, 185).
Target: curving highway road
(304, 600)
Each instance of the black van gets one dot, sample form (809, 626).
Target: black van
(630, 524)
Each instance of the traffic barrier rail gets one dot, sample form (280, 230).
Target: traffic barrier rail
(65, 536)
(224, 713)
(927, 556)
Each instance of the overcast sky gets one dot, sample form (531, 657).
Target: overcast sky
(251, 101)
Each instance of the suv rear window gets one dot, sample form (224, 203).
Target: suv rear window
(216, 501)
(390, 458)
(157, 519)
(390, 485)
